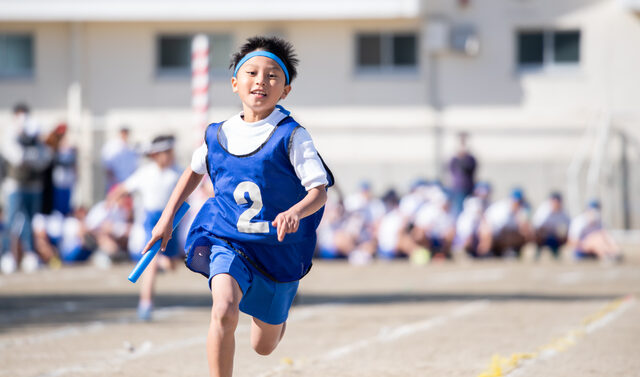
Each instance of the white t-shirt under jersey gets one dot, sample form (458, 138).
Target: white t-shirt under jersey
(240, 138)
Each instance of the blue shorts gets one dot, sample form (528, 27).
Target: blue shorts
(151, 219)
(262, 298)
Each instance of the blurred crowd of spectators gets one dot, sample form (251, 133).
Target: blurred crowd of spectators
(40, 226)
(434, 221)
(422, 225)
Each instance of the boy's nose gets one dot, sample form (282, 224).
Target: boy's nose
(260, 79)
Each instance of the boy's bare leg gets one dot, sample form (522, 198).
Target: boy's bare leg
(226, 295)
(148, 283)
(17, 249)
(265, 337)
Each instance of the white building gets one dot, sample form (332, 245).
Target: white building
(384, 85)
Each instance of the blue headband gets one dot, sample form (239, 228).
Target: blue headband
(267, 54)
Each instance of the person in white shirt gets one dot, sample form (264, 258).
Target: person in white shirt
(467, 226)
(506, 227)
(63, 239)
(589, 239)
(110, 224)
(394, 235)
(434, 226)
(154, 182)
(551, 224)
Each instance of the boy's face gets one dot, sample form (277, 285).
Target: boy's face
(260, 84)
(163, 159)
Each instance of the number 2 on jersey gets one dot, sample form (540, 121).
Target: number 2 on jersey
(244, 221)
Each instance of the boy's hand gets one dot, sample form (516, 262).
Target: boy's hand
(286, 222)
(162, 230)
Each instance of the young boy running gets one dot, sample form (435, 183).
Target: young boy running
(155, 182)
(255, 238)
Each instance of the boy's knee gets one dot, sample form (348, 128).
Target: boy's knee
(225, 315)
(266, 343)
(263, 348)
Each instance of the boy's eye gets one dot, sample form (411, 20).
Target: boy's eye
(273, 75)
(251, 73)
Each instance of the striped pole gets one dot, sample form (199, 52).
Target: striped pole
(200, 84)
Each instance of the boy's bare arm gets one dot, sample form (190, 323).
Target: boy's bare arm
(188, 182)
(289, 220)
(116, 193)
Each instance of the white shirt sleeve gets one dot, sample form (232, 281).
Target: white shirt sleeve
(306, 161)
(135, 181)
(541, 215)
(199, 159)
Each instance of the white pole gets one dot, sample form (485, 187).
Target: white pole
(200, 84)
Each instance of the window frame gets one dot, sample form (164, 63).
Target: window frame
(185, 72)
(387, 53)
(549, 64)
(28, 73)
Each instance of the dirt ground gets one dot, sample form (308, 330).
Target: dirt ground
(463, 318)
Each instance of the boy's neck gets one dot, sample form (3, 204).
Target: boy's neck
(250, 116)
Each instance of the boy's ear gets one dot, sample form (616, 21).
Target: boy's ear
(286, 91)
(234, 84)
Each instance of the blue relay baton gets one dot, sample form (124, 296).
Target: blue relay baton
(148, 256)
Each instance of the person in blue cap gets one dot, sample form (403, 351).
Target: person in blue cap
(551, 224)
(588, 237)
(506, 227)
(254, 240)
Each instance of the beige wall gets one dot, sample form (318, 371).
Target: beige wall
(366, 125)
(47, 88)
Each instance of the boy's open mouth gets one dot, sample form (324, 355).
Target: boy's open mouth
(259, 93)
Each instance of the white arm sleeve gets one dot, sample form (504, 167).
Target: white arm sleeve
(199, 159)
(134, 182)
(306, 161)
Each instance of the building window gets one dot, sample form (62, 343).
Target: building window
(548, 48)
(16, 55)
(386, 51)
(174, 54)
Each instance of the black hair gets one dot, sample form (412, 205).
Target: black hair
(277, 46)
(161, 138)
(556, 195)
(21, 107)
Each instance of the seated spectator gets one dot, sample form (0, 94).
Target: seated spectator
(467, 225)
(61, 238)
(412, 201)
(366, 203)
(110, 224)
(334, 242)
(589, 239)
(482, 191)
(394, 238)
(434, 226)
(505, 228)
(551, 224)
(47, 231)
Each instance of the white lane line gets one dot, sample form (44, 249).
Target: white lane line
(385, 335)
(113, 362)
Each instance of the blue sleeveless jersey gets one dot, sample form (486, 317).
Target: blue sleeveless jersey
(250, 191)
